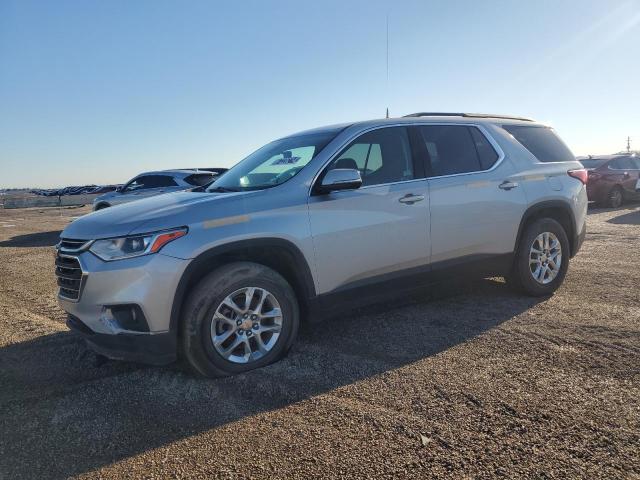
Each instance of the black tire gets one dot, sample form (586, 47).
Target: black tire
(202, 303)
(615, 197)
(521, 277)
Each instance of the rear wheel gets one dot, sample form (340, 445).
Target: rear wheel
(240, 317)
(542, 258)
(615, 197)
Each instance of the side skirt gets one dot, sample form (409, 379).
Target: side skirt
(384, 287)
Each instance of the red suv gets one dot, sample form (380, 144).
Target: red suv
(613, 179)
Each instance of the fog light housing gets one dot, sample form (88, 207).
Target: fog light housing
(124, 317)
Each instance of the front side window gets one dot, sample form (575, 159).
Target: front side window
(542, 142)
(454, 149)
(135, 184)
(275, 163)
(382, 156)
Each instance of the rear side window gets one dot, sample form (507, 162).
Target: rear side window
(624, 163)
(592, 163)
(452, 149)
(542, 142)
(487, 154)
(199, 179)
(149, 181)
(158, 181)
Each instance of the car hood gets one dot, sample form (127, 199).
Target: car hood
(149, 214)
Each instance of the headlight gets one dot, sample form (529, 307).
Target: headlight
(134, 246)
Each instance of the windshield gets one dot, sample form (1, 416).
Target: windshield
(273, 164)
(592, 163)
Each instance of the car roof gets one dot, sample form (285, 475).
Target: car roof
(607, 157)
(427, 117)
(179, 173)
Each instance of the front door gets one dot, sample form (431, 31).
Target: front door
(379, 231)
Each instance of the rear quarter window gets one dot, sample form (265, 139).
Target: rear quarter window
(542, 142)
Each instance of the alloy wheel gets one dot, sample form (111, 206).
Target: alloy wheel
(246, 325)
(545, 258)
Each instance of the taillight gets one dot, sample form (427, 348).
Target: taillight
(581, 174)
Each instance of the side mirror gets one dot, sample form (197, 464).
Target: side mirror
(340, 179)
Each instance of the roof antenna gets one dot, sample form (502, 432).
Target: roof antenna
(628, 144)
(387, 86)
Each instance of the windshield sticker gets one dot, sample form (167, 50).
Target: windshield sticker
(287, 159)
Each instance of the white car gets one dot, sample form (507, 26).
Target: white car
(149, 184)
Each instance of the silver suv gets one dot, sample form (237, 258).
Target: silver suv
(317, 221)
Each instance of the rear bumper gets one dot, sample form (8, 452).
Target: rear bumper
(149, 348)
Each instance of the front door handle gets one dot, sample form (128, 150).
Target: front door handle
(507, 185)
(410, 199)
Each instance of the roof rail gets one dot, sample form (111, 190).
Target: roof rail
(469, 115)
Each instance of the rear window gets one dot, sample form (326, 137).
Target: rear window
(199, 179)
(542, 142)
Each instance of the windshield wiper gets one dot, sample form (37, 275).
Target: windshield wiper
(223, 189)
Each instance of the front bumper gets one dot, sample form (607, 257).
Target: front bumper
(152, 349)
(148, 282)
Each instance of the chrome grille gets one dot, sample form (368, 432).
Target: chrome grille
(72, 245)
(68, 271)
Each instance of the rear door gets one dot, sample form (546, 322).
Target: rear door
(476, 203)
(379, 231)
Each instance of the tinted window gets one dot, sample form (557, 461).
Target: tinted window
(158, 181)
(623, 163)
(488, 156)
(150, 181)
(382, 156)
(636, 162)
(542, 142)
(452, 149)
(199, 179)
(591, 162)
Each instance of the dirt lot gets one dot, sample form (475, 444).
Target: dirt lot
(476, 382)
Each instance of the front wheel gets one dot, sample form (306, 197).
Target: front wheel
(542, 258)
(240, 317)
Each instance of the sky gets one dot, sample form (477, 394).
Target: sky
(94, 92)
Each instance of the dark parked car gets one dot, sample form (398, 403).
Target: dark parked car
(613, 179)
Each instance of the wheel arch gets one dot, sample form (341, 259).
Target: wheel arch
(278, 254)
(556, 209)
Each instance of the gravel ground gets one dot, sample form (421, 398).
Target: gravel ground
(473, 381)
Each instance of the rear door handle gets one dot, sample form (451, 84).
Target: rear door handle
(410, 199)
(507, 185)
